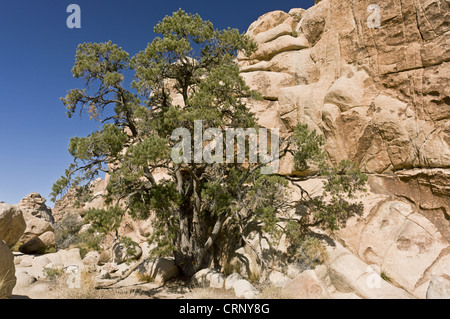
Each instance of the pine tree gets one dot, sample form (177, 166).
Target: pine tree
(201, 209)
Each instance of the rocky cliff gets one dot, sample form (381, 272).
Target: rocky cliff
(378, 95)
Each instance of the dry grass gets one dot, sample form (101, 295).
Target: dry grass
(87, 290)
(5, 286)
(267, 292)
(210, 293)
(144, 277)
(271, 292)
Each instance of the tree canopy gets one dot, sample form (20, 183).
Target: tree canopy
(200, 210)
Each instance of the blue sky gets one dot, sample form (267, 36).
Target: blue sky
(36, 57)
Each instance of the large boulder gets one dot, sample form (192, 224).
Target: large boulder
(35, 227)
(306, 286)
(231, 279)
(397, 238)
(349, 274)
(7, 271)
(244, 289)
(159, 269)
(37, 266)
(209, 277)
(395, 234)
(39, 245)
(12, 223)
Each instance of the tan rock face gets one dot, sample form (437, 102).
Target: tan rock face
(34, 204)
(7, 271)
(160, 269)
(348, 274)
(12, 224)
(35, 227)
(409, 243)
(39, 244)
(380, 96)
(306, 286)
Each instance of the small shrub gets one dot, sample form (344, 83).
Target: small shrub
(309, 252)
(16, 246)
(50, 250)
(144, 277)
(53, 273)
(105, 220)
(88, 241)
(385, 277)
(66, 231)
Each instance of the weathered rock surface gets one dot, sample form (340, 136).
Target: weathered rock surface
(379, 96)
(159, 269)
(66, 206)
(398, 236)
(39, 244)
(34, 204)
(439, 287)
(306, 286)
(349, 274)
(38, 218)
(231, 279)
(7, 271)
(209, 277)
(35, 227)
(69, 204)
(12, 223)
(244, 289)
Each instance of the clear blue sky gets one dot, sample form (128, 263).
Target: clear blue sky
(36, 57)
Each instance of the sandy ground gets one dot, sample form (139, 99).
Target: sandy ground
(129, 288)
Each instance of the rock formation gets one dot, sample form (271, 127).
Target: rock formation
(34, 204)
(12, 224)
(39, 221)
(7, 271)
(378, 95)
(380, 98)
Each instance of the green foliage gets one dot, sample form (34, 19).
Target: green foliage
(68, 234)
(196, 203)
(66, 231)
(104, 220)
(89, 241)
(130, 245)
(309, 148)
(53, 273)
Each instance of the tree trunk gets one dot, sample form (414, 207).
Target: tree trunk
(195, 254)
